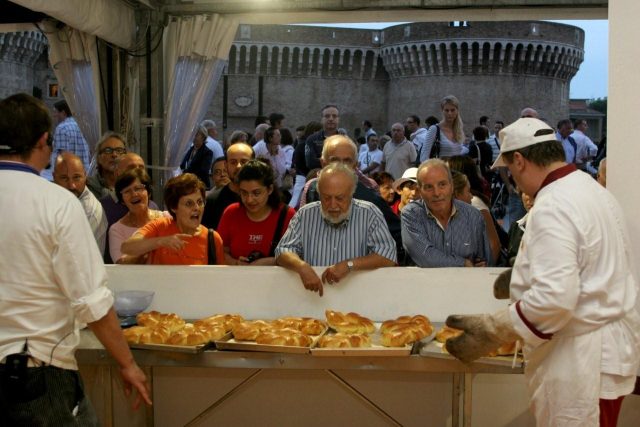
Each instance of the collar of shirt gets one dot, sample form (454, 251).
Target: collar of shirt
(556, 175)
(432, 216)
(17, 166)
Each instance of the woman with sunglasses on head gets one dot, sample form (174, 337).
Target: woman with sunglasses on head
(133, 190)
(252, 228)
(180, 239)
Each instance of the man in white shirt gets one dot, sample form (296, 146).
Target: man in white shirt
(212, 143)
(369, 160)
(398, 155)
(418, 134)
(52, 280)
(587, 149)
(572, 287)
(69, 173)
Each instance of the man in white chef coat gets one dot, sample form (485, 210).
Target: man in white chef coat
(572, 289)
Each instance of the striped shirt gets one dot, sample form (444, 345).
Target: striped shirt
(320, 243)
(67, 137)
(429, 245)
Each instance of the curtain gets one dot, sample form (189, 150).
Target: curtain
(74, 60)
(196, 51)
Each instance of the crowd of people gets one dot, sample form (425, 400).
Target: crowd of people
(417, 196)
(441, 201)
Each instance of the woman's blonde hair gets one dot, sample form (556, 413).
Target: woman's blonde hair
(458, 126)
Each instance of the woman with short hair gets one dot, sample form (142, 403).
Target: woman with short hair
(180, 239)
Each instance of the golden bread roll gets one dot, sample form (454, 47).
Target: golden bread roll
(504, 350)
(342, 340)
(133, 334)
(312, 326)
(288, 323)
(401, 335)
(226, 320)
(288, 337)
(446, 332)
(249, 330)
(171, 321)
(159, 335)
(349, 323)
(189, 336)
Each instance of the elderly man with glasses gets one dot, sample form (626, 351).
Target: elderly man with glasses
(111, 147)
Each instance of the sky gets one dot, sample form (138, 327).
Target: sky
(591, 80)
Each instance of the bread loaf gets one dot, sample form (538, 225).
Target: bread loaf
(342, 340)
(225, 320)
(350, 323)
(288, 337)
(249, 330)
(133, 334)
(401, 335)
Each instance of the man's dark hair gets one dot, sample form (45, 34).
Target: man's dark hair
(23, 120)
(330, 106)
(367, 123)
(275, 118)
(431, 120)
(415, 119)
(480, 133)
(259, 120)
(260, 170)
(500, 121)
(300, 128)
(563, 122)
(541, 154)
(268, 134)
(577, 122)
(62, 106)
(483, 120)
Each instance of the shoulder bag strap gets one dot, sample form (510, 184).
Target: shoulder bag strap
(211, 248)
(435, 148)
(278, 233)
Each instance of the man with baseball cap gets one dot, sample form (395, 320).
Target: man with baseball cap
(572, 289)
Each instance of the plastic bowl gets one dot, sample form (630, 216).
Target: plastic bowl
(130, 303)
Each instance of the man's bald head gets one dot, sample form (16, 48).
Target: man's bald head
(339, 148)
(69, 173)
(529, 112)
(128, 161)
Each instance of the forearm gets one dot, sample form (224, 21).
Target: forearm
(108, 331)
(138, 245)
(291, 261)
(371, 261)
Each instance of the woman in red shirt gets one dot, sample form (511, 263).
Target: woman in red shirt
(180, 239)
(252, 228)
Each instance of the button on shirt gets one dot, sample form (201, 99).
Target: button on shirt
(429, 245)
(320, 243)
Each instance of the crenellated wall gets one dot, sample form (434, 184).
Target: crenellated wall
(494, 68)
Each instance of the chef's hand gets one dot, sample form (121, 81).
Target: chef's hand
(310, 279)
(134, 379)
(335, 273)
(482, 334)
(501, 285)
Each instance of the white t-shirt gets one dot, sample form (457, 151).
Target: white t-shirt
(368, 157)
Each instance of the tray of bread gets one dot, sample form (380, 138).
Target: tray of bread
(507, 355)
(282, 335)
(169, 332)
(352, 334)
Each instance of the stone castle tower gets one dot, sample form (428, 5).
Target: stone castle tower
(494, 68)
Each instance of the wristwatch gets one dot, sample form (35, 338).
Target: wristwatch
(350, 265)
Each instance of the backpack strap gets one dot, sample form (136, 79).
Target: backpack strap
(277, 235)
(211, 248)
(575, 148)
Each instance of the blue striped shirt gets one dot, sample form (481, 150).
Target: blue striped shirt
(430, 246)
(320, 243)
(68, 137)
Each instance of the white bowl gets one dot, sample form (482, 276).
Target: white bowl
(130, 303)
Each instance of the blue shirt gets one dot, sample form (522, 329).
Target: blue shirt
(431, 246)
(67, 137)
(320, 243)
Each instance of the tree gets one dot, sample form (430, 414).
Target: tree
(599, 104)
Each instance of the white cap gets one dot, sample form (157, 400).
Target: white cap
(523, 133)
(408, 175)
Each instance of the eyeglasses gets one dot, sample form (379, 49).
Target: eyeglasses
(109, 150)
(190, 204)
(133, 190)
